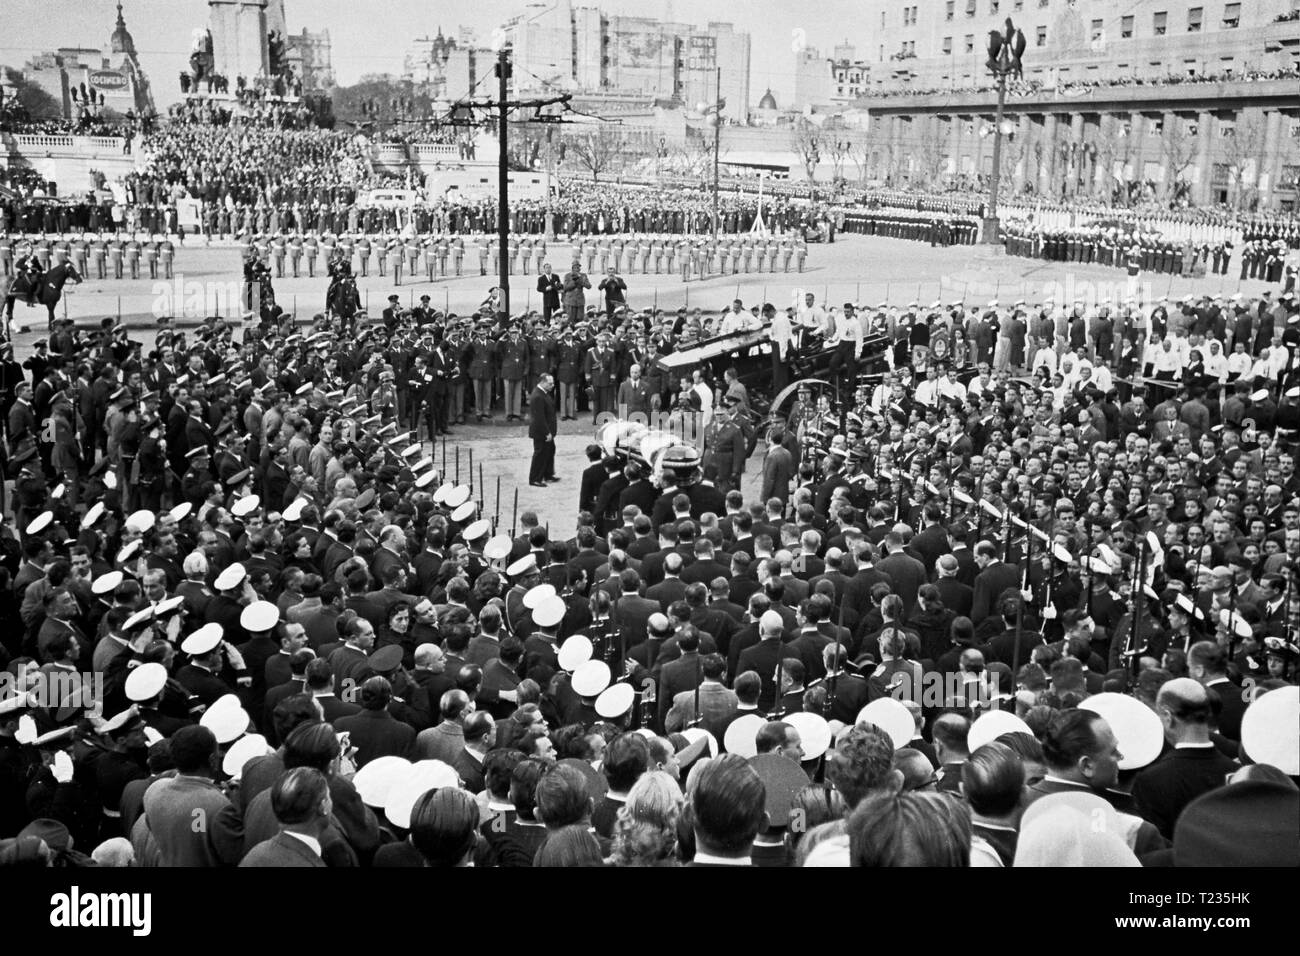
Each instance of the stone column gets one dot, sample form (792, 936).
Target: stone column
(1024, 145)
(1204, 169)
(1268, 159)
(1047, 185)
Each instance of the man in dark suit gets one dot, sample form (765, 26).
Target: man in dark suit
(1082, 755)
(1207, 662)
(933, 539)
(300, 801)
(762, 657)
(682, 674)
(671, 588)
(729, 810)
(857, 590)
(956, 597)
(631, 611)
(906, 572)
(480, 734)
(1194, 766)
(320, 684)
(541, 429)
(375, 732)
(993, 578)
(593, 476)
(549, 285)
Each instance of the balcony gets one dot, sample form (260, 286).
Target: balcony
(1175, 96)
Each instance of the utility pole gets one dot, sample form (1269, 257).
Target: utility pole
(462, 115)
(503, 181)
(1005, 52)
(717, 151)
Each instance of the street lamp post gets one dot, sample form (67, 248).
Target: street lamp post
(715, 111)
(1005, 52)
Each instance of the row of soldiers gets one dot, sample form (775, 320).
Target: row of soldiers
(943, 230)
(118, 255)
(1137, 252)
(441, 256)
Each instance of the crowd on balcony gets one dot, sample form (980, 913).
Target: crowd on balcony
(1037, 85)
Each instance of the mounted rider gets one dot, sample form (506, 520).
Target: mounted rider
(28, 274)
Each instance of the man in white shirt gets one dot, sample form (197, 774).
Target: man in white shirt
(927, 392)
(847, 343)
(814, 318)
(737, 320)
(781, 334)
(1238, 362)
(1167, 363)
(1216, 363)
(1045, 357)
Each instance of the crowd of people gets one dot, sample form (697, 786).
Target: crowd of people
(1036, 86)
(257, 591)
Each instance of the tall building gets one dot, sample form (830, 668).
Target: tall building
(1192, 99)
(445, 66)
(310, 58)
(115, 75)
(560, 46)
(814, 80)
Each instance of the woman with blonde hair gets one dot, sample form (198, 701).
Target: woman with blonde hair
(645, 832)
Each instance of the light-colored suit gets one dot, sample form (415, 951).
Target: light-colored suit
(717, 704)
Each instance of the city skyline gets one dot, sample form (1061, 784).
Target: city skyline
(162, 30)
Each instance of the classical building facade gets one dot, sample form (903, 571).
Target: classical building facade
(1186, 99)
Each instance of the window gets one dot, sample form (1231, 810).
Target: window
(1231, 16)
(1018, 5)
(1227, 129)
(1041, 37)
(1126, 27)
(947, 45)
(1222, 174)
(1156, 126)
(970, 43)
(993, 7)
(1289, 178)
(1096, 30)
(949, 7)
(1194, 17)
(1159, 21)
(970, 8)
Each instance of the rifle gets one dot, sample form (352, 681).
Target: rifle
(496, 515)
(1024, 586)
(1138, 597)
(514, 513)
(780, 675)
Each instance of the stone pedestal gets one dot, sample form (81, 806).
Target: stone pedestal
(238, 38)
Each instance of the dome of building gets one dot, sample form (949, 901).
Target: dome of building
(122, 41)
(768, 102)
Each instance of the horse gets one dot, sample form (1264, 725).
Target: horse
(49, 289)
(342, 298)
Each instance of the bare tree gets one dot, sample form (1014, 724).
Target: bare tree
(1178, 146)
(804, 142)
(1242, 149)
(838, 148)
(859, 152)
(930, 154)
(599, 150)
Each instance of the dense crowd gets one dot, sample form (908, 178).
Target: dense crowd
(256, 592)
(1035, 86)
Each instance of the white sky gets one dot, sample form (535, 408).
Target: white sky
(370, 37)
